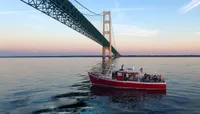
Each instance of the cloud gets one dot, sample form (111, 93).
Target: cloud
(190, 6)
(15, 12)
(129, 30)
(197, 33)
(120, 14)
(118, 8)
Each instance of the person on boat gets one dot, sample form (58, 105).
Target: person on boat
(155, 78)
(151, 77)
(140, 74)
(147, 79)
(122, 68)
(114, 75)
(126, 77)
(159, 78)
(162, 79)
(141, 70)
(131, 78)
(144, 77)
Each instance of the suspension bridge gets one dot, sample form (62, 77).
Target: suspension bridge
(65, 12)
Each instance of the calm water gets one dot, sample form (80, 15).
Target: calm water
(61, 85)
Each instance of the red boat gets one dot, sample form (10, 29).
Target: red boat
(127, 79)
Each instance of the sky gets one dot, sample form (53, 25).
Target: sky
(140, 27)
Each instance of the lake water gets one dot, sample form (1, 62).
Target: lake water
(61, 85)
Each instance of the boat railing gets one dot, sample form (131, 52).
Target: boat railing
(103, 72)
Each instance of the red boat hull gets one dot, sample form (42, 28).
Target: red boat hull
(96, 80)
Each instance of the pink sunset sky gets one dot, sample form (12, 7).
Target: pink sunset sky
(26, 31)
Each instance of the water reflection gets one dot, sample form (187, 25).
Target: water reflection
(108, 91)
(84, 85)
(69, 102)
(127, 99)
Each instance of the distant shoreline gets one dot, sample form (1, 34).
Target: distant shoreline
(67, 56)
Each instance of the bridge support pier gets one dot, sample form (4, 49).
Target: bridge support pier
(107, 33)
(116, 56)
(104, 51)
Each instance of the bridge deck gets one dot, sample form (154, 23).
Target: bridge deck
(64, 12)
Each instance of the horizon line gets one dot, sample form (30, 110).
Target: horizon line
(125, 55)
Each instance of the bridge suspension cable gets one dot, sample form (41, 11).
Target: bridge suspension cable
(94, 14)
(90, 14)
(113, 36)
(97, 14)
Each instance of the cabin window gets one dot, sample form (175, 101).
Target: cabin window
(119, 74)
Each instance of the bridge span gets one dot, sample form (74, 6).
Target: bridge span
(65, 12)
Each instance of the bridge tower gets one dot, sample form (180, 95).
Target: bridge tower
(107, 33)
